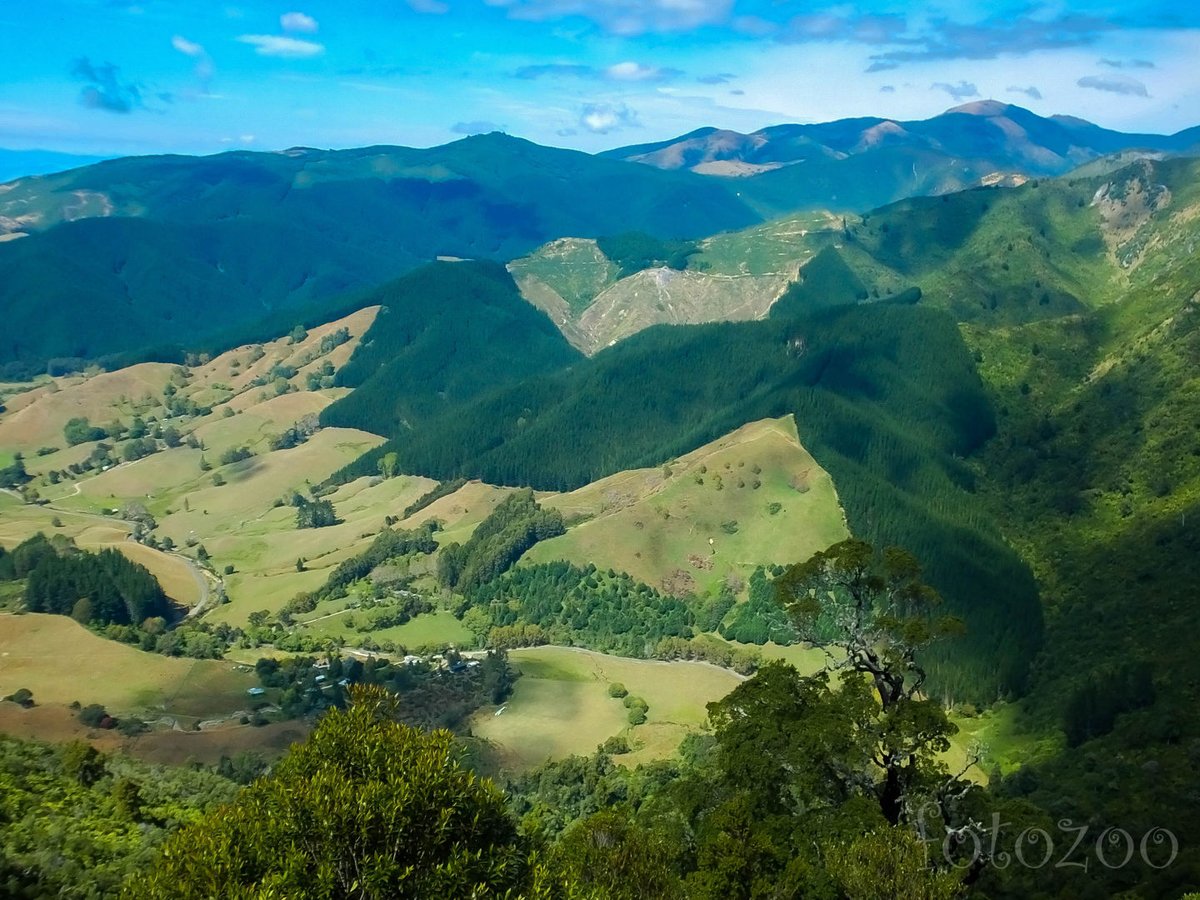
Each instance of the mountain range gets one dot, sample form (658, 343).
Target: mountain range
(178, 245)
(995, 369)
(861, 163)
(229, 247)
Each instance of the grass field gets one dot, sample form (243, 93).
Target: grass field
(167, 747)
(439, 627)
(561, 706)
(1003, 741)
(461, 511)
(110, 395)
(62, 662)
(705, 518)
(19, 521)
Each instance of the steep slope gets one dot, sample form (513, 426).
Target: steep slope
(1050, 248)
(730, 277)
(179, 249)
(1095, 475)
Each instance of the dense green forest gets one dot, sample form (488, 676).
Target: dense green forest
(825, 280)
(77, 823)
(634, 251)
(761, 618)
(449, 332)
(565, 604)
(102, 588)
(514, 526)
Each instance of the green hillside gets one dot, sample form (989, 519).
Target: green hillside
(1078, 298)
(575, 270)
(449, 332)
(825, 280)
(597, 300)
(707, 519)
(181, 249)
(887, 397)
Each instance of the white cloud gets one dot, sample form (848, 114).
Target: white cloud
(1114, 84)
(186, 47)
(633, 71)
(1032, 92)
(204, 65)
(960, 91)
(627, 17)
(601, 118)
(283, 47)
(432, 7)
(298, 21)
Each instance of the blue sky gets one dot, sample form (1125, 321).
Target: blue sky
(201, 76)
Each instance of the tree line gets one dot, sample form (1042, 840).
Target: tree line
(104, 588)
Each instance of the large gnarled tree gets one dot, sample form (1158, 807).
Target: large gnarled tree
(873, 614)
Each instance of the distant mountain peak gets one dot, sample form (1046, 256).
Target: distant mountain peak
(983, 108)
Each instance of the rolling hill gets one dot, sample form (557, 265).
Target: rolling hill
(708, 518)
(886, 396)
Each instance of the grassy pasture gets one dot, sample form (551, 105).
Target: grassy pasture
(19, 521)
(439, 627)
(265, 545)
(560, 705)
(652, 524)
(461, 511)
(165, 746)
(102, 398)
(61, 662)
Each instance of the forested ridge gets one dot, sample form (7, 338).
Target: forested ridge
(448, 333)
